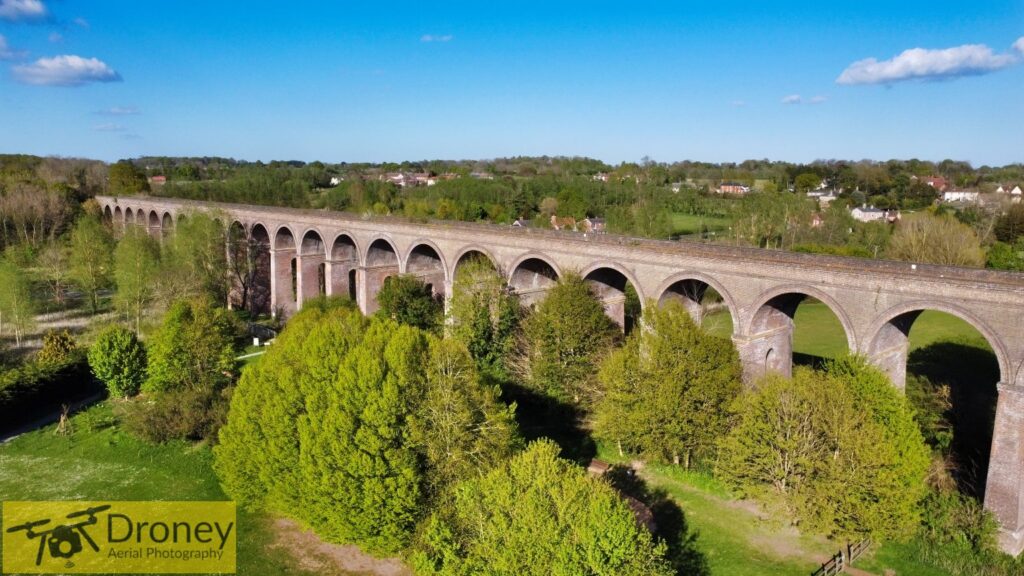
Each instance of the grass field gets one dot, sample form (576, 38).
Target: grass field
(737, 538)
(683, 224)
(99, 461)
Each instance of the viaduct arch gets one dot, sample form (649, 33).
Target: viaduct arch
(308, 252)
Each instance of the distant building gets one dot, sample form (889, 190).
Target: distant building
(1013, 190)
(960, 196)
(733, 188)
(335, 180)
(677, 186)
(937, 182)
(481, 175)
(593, 225)
(825, 200)
(158, 180)
(871, 214)
(600, 177)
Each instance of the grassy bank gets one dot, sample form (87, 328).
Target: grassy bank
(99, 461)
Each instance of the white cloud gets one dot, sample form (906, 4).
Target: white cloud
(81, 22)
(109, 127)
(817, 100)
(1019, 45)
(798, 99)
(65, 70)
(792, 99)
(739, 103)
(23, 10)
(925, 64)
(120, 111)
(8, 53)
(436, 38)
(55, 37)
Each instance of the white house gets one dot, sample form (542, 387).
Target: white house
(960, 196)
(871, 214)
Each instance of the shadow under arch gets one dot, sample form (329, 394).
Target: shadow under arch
(424, 260)
(952, 382)
(770, 326)
(472, 252)
(618, 291)
(703, 296)
(531, 276)
(887, 342)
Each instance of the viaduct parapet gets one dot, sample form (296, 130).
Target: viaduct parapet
(300, 254)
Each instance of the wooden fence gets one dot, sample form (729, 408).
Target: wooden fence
(840, 560)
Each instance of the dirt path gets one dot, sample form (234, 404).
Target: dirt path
(316, 555)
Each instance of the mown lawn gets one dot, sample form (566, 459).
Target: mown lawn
(736, 540)
(99, 461)
(683, 224)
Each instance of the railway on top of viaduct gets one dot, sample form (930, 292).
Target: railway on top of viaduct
(300, 254)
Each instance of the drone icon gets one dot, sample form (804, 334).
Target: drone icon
(63, 541)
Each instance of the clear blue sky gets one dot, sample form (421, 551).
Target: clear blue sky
(331, 81)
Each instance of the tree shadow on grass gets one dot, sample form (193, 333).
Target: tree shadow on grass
(540, 416)
(809, 360)
(971, 373)
(670, 524)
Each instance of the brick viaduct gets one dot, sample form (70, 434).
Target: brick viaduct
(303, 253)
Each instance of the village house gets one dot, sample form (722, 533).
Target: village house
(157, 180)
(960, 196)
(1013, 190)
(733, 188)
(867, 213)
(937, 182)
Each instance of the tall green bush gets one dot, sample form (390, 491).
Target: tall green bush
(118, 359)
(667, 391)
(538, 515)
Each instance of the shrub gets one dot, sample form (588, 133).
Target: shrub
(58, 348)
(184, 414)
(118, 360)
(194, 348)
(408, 300)
(537, 515)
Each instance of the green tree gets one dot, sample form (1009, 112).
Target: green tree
(59, 348)
(195, 262)
(360, 474)
(408, 300)
(840, 447)
(484, 314)
(667, 391)
(271, 396)
(1003, 256)
(92, 248)
(564, 341)
(118, 359)
(194, 348)
(461, 426)
(1010, 225)
(136, 271)
(125, 179)
(538, 515)
(806, 182)
(17, 306)
(935, 240)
